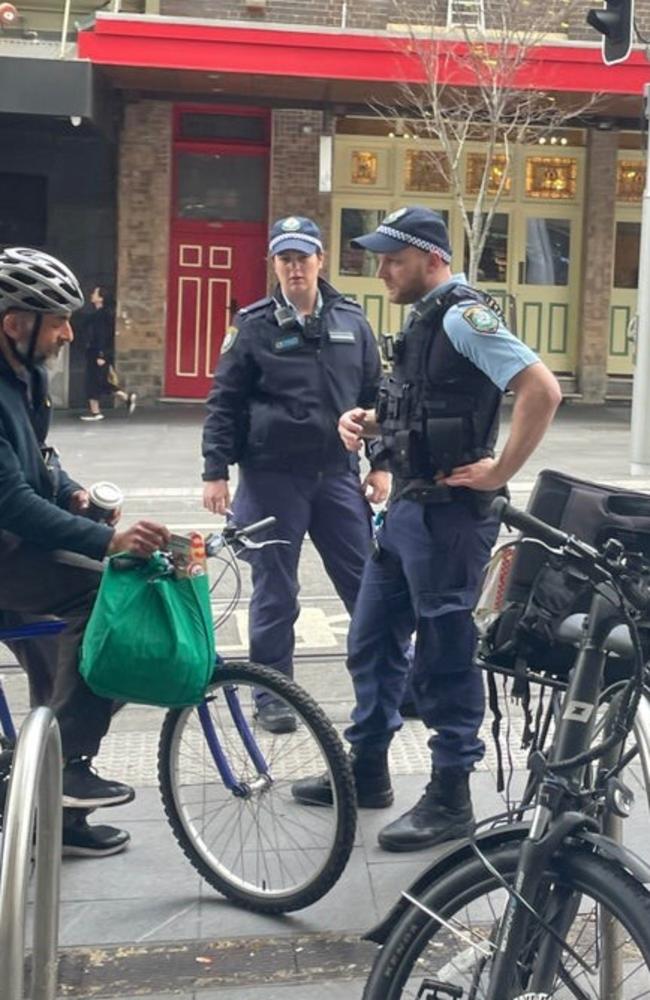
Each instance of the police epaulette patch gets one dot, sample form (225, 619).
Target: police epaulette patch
(256, 306)
(347, 301)
(481, 319)
(229, 339)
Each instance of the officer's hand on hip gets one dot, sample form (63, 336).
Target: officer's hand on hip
(482, 475)
(351, 424)
(216, 496)
(376, 486)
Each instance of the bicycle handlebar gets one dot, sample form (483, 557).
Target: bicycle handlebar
(249, 529)
(528, 524)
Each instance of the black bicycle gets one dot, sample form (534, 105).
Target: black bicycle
(553, 907)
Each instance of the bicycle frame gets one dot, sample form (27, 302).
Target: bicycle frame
(558, 813)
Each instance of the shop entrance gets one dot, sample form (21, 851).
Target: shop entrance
(218, 237)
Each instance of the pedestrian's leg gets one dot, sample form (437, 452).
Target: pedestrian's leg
(63, 585)
(340, 528)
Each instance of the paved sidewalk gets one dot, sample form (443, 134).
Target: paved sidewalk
(125, 918)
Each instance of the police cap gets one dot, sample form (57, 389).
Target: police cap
(295, 232)
(413, 226)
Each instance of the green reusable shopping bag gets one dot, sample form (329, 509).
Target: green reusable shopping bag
(149, 638)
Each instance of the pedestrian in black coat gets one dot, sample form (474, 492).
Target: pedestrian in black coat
(101, 376)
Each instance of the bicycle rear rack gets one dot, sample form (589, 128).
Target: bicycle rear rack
(34, 790)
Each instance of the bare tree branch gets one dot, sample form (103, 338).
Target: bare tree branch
(490, 103)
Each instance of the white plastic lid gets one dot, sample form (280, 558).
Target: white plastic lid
(106, 495)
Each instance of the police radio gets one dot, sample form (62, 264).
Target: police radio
(312, 328)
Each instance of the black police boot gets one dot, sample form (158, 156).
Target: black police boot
(371, 779)
(444, 812)
(276, 717)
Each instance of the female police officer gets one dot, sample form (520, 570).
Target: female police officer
(290, 365)
(437, 414)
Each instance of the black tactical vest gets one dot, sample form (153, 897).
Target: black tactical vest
(436, 409)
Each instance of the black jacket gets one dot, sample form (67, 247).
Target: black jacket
(279, 390)
(34, 495)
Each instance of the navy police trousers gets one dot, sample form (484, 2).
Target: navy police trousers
(333, 512)
(424, 576)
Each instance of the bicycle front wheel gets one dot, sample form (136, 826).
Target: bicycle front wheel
(226, 789)
(449, 955)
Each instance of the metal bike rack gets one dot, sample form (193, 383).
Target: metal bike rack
(34, 790)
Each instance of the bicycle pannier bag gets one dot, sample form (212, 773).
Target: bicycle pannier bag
(149, 638)
(539, 595)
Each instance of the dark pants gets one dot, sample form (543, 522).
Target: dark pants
(335, 515)
(425, 577)
(34, 585)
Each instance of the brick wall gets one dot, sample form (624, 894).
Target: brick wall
(295, 155)
(597, 264)
(367, 14)
(143, 242)
(380, 14)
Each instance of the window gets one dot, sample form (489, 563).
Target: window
(23, 210)
(552, 178)
(626, 254)
(228, 188)
(548, 244)
(229, 128)
(493, 265)
(355, 222)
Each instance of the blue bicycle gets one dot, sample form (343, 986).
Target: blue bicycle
(226, 782)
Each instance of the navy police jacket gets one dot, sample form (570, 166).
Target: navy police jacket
(279, 389)
(34, 490)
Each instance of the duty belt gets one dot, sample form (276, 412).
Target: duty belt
(422, 491)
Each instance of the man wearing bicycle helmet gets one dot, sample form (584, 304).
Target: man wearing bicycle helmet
(50, 552)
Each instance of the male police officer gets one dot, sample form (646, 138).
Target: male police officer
(41, 530)
(289, 367)
(437, 414)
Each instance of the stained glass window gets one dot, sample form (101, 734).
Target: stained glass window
(551, 177)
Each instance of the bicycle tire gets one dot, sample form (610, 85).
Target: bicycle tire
(335, 828)
(400, 967)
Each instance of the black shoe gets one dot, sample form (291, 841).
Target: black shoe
(83, 789)
(443, 813)
(276, 717)
(83, 841)
(371, 779)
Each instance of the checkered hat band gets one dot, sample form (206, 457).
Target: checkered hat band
(296, 236)
(414, 241)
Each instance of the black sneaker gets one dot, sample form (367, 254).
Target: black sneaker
(84, 789)
(80, 840)
(276, 717)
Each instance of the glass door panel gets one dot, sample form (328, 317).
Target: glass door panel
(547, 284)
(620, 360)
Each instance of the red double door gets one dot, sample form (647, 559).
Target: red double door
(217, 254)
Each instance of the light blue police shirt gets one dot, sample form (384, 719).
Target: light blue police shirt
(477, 333)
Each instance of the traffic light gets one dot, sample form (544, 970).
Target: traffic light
(615, 22)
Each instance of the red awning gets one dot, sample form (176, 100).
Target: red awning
(168, 44)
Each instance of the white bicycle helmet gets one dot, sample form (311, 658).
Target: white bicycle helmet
(34, 281)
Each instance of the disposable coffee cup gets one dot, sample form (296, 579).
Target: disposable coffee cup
(105, 498)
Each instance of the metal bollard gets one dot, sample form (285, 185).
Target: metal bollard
(34, 790)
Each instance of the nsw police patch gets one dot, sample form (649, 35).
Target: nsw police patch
(481, 319)
(229, 339)
(394, 216)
